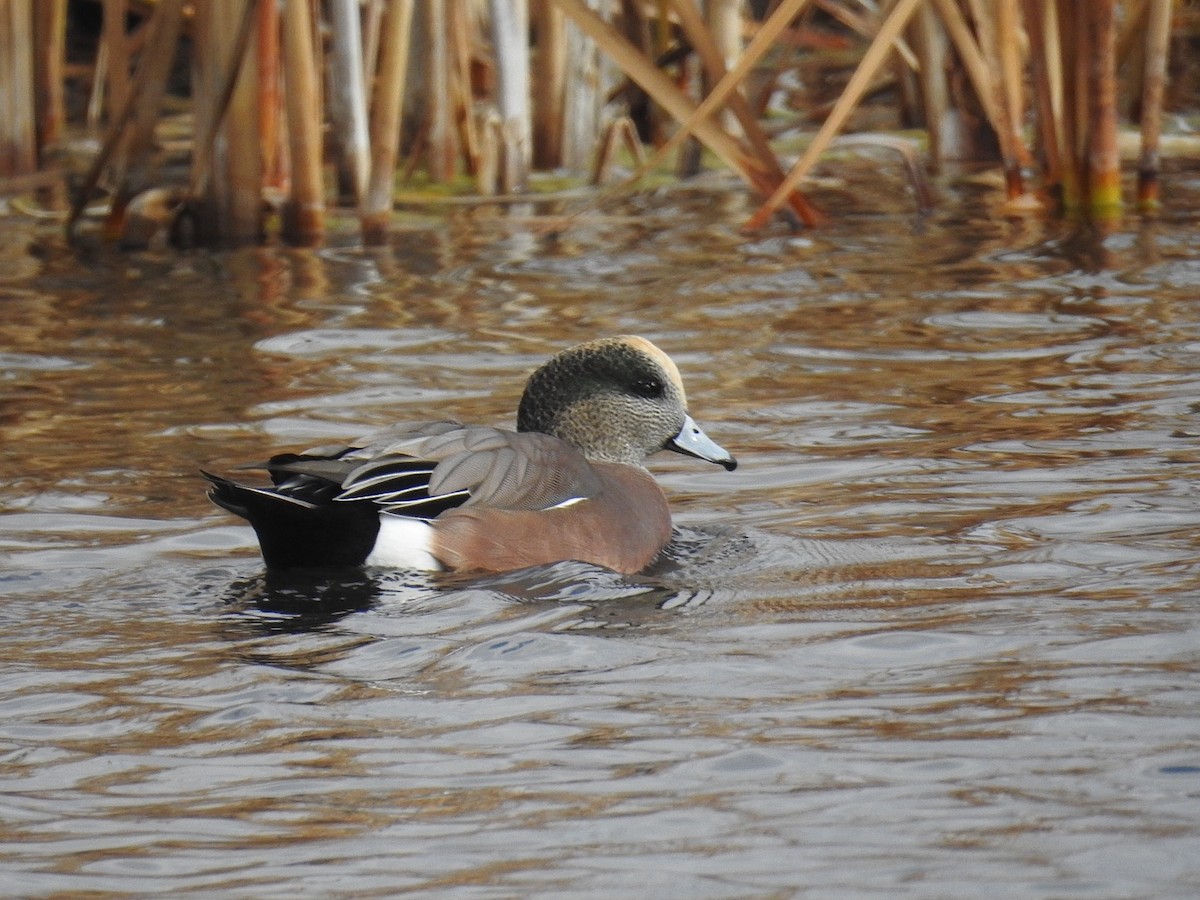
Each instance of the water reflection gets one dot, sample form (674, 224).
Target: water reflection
(302, 600)
(936, 637)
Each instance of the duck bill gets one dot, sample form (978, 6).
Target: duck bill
(691, 441)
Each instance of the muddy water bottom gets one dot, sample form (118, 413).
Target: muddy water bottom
(938, 636)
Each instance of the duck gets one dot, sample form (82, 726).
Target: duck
(570, 483)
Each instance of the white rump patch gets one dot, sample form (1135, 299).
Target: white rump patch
(404, 543)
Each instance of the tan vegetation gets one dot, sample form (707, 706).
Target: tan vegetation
(295, 105)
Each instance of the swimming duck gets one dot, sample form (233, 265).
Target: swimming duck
(568, 484)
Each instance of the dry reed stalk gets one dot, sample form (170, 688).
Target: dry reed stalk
(488, 150)
(930, 41)
(1072, 110)
(660, 34)
(226, 158)
(719, 60)
(858, 22)
(642, 70)
(50, 34)
(95, 104)
(138, 115)
(762, 173)
(243, 164)
(583, 94)
(1132, 35)
(270, 69)
(117, 55)
(212, 88)
(864, 25)
(1071, 26)
(1056, 70)
(145, 95)
(905, 78)
(207, 105)
(876, 55)
(49, 57)
(304, 210)
(442, 145)
(621, 131)
(975, 64)
(347, 96)
(395, 45)
(1046, 74)
(726, 81)
(510, 42)
(465, 29)
(1011, 95)
(1158, 36)
(549, 74)
(1103, 154)
(18, 146)
(725, 26)
(372, 22)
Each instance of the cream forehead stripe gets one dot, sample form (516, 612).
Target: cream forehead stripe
(668, 364)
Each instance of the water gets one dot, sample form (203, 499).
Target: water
(936, 637)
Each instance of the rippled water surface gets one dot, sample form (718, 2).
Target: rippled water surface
(937, 637)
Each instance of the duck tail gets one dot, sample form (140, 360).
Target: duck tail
(295, 533)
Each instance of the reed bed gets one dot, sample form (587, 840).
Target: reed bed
(296, 107)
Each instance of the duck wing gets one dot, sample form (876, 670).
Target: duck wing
(476, 466)
(423, 471)
(391, 481)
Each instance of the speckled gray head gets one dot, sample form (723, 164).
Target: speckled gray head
(617, 399)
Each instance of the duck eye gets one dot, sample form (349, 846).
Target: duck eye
(650, 388)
